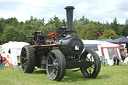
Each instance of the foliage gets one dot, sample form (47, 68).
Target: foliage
(88, 32)
(124, 29)
(109, 34)
(13, 30)
(10, 33)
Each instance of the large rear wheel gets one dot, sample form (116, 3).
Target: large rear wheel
(56, 65)
(27, 59)
(94, 69)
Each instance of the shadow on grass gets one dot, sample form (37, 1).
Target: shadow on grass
(103, 76)
(39, 72)
(72, 76)
(82, 78)
(77, 76)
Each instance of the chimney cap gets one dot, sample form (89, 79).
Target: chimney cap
(69, 7)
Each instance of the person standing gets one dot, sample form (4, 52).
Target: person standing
(1, 60)
(115, 59)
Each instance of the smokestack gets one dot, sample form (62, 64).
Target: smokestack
(69, 12)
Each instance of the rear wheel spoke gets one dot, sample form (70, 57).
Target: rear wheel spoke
(52, 57)
(89, 71)
(52, 74)
(50, 65)
(91, 58)
(92, 67)
(57, 67)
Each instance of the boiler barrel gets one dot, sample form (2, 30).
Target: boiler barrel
(71, 46)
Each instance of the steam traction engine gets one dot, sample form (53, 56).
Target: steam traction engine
(59, 51)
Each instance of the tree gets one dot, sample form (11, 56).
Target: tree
(124, 29)
(88, 31)
(10, 33)
(42, 21)
(83, 20)
(57, 21)
(115, 26)
(51, 26)
(76, 26)
(109, 34)
(107, 25)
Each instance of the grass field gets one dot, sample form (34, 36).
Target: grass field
(109, 75)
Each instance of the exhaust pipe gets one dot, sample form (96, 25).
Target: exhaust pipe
(69, 12)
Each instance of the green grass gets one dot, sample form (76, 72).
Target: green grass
(109, 75)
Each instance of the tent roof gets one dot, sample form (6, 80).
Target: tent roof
(108, 44)
(122, 40)
(91, 42)
(14, 44)
(101, 43)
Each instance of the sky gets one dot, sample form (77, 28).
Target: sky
(95, 10)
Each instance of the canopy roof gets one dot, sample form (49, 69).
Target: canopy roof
(122, 40)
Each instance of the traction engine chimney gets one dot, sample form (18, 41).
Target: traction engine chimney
(69, 12)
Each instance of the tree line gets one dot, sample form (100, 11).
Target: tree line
(13, 30)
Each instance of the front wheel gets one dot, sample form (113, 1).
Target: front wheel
(27, 59)
(56, 65)
(94, 69)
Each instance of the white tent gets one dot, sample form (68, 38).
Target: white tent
(93, 44)
(12, 50)
(104, 49)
